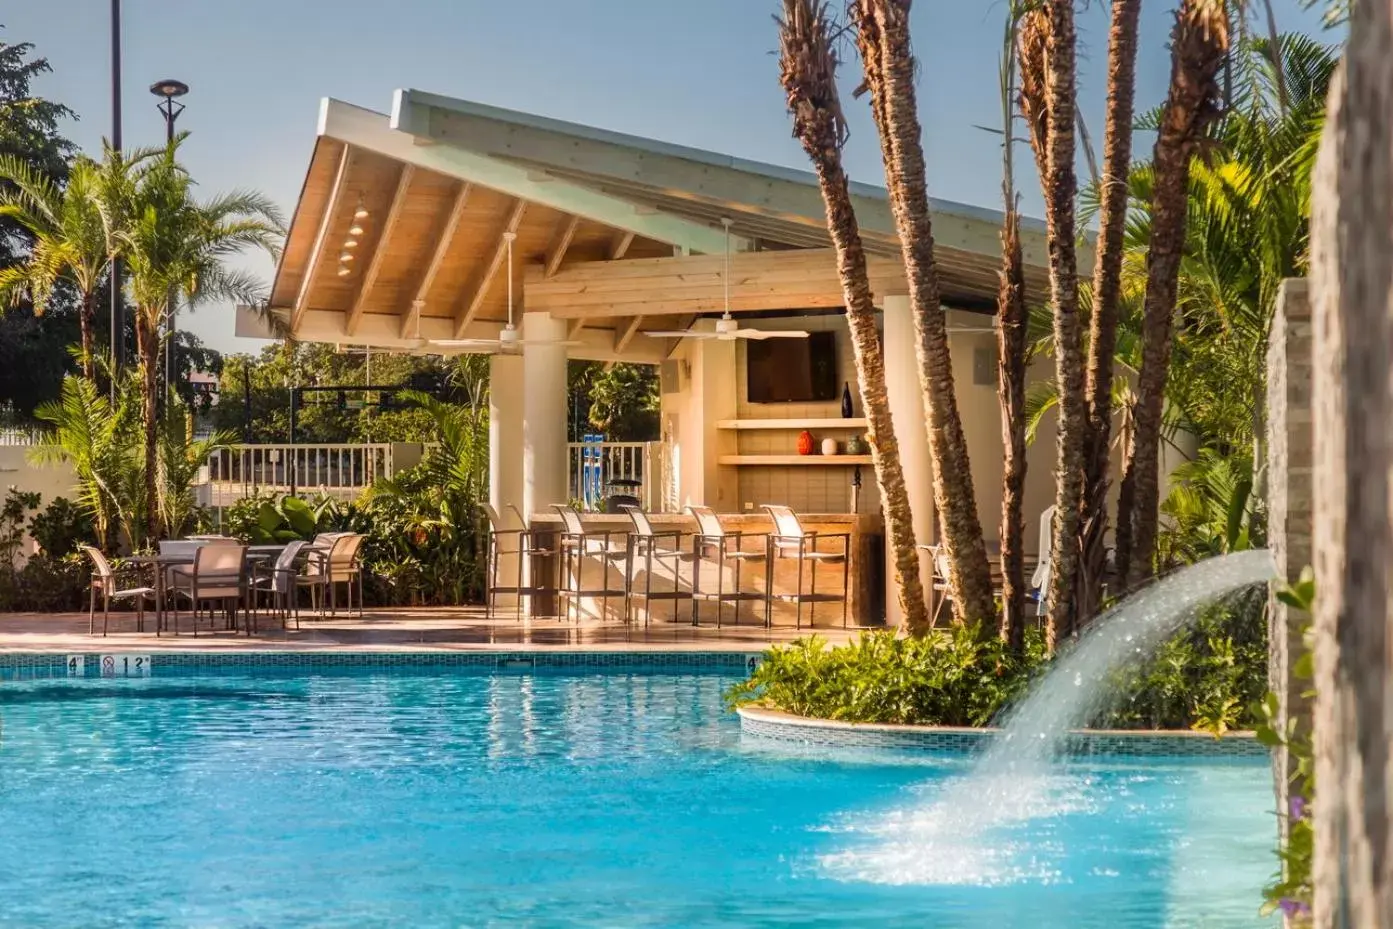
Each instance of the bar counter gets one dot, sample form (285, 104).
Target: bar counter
(865, 568)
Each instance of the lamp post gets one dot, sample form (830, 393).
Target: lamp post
(118, 320)
(169, 91)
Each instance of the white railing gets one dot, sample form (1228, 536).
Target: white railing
(340, 470)
(595, 466)
(20, 437)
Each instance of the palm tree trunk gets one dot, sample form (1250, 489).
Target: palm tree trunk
(1199, 44)
(808, 74)
(1011, 320)
(1047, 101)
(148, 347)
(1107, 285)
(86, 321)
(883, 37)
(1011, 343)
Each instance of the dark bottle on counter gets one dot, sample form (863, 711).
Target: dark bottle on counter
(846, 400)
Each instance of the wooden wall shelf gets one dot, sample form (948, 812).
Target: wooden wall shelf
(857, 423)
(825, 461)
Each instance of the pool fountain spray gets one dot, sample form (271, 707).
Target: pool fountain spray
(948, 840)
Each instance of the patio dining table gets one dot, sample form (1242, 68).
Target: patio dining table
(162, 562)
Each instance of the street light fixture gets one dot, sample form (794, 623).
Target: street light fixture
(169, 90)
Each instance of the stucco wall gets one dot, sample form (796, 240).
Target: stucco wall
(50, 480)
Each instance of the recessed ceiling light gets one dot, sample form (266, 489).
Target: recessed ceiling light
(351, 243)
(356, 229)
(344, 272)
(345, 257)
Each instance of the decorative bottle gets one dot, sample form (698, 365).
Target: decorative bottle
(846, 400)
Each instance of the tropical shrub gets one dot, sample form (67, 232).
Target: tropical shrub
(61, 527)
(42, 582)
(1208, 677)
(268, 519)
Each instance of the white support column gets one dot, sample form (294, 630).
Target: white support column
(907, 412)
(544, 461)
(505, 432)
(505, 456)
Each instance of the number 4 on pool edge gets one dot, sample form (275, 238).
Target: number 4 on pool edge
(77, 666)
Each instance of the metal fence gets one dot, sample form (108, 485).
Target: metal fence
(342, 470)
(596, 466)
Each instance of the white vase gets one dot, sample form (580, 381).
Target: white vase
(829, 446)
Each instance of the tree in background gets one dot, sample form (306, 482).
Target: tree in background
(176, 250)
(807, 70)
(888, 65)
(68, 236)
(620, 401)
(1199, 47)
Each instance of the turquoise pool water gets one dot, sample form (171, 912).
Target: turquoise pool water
(605, 798)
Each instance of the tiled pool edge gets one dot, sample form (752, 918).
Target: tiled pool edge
(56, 664)
(785, 727)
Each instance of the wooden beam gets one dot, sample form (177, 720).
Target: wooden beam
(384, 239)
(468, 309)
(620, 246)
(557, 253)
(437, 260)
(302, 300)
(625, 334)
(775, 280)
(575, 327)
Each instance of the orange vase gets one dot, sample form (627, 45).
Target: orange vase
(805, 443)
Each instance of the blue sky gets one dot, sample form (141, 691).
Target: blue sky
(695, 73)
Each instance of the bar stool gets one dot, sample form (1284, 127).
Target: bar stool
(577, 545)
(712, 538)
(790, 540)
(644, 543)
(499, 535)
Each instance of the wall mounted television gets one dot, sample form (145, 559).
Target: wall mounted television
(792, 370)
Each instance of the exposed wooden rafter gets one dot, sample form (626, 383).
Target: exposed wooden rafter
(469, 308)
(302, 300)
(575, 327)
(412, 318)
(620, 246)
(625, 333)
(557, 253)
(379, 254)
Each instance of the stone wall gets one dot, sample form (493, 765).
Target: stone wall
(1289, 463)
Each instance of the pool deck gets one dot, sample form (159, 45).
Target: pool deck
(397, 630)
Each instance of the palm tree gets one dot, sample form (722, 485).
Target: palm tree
(1047, 102)
(1011, 337)
(882, 33)
(179, 460)
(1107, 285)
(807, 70)
(176, 248)
(1199, 47)
(69, 239)
(95, 436)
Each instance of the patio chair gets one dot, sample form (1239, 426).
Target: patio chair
(942, 592)
(645, 543)
(338, 565)
(279, 581)
(578, 545)
(504, 540)
(790, 540)
(107, 582)
(712, 538)
(218, 575)
(1040, 580)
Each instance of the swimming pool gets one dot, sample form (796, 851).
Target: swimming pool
(616, 797)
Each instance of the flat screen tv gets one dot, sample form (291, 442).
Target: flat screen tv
(792, 370)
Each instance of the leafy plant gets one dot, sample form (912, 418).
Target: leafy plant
(61, 526)
(270, 519)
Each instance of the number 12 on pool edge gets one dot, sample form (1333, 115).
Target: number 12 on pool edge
(125, 665)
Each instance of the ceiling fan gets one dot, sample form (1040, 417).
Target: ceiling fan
(727, 327)
(509, 338)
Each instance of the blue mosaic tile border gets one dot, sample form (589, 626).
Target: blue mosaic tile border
(969, 741)
(22, 666)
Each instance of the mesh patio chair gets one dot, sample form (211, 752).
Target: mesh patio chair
(107, 582)
(338, 565)
(218, 575)
(646, 543)
(577, 546)
(712, 538)
(279, 582)
(504, 540)
(790, 540)
(1040, 580)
